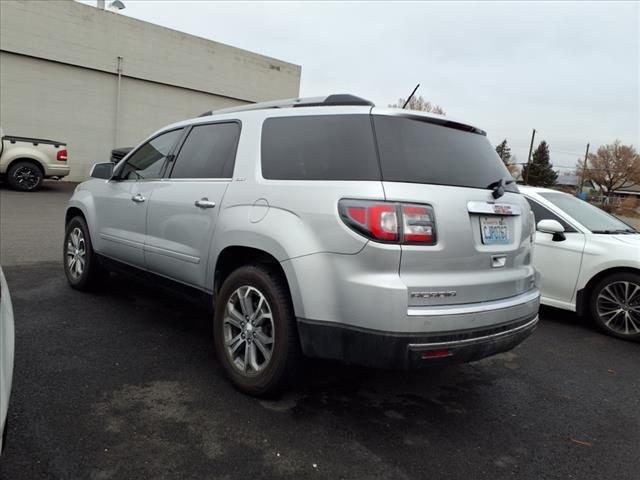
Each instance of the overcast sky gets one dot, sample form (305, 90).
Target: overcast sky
(571, 70)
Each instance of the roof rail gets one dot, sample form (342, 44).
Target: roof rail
(328, 101)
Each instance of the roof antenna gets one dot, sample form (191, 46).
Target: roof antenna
(410, 97)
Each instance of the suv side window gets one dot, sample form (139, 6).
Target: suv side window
(322, 147)
(543, 213)
(209, 151)
(148, 161)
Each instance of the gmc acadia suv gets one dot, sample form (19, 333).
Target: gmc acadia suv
(324, 227)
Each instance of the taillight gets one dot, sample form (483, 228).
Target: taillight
(418, 224)
(61, 156)
(382, 221)
(390, 222)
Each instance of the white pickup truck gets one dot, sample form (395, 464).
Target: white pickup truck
(25, 162)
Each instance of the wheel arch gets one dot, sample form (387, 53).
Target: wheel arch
(84, 209)
(584, 294)
(36, 161)
(234, 256)
(73, 212)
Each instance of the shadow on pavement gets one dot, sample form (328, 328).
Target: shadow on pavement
(124, 383)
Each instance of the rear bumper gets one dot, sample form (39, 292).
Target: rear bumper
(374, 348)
(57, 171)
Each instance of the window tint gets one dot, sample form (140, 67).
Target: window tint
(327, 147)
(596, 220)
(414, 150)
(148, 160)
(543, 213)
(208, 152)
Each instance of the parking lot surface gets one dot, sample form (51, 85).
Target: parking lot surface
(123, 383)
(32, 223)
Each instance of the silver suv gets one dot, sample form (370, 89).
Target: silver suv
(322, 227)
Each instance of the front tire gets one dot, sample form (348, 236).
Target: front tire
(24, 176)
(255, 331)
(615, 305)
(80, 265)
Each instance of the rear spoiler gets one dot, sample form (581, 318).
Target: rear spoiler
(34, 141)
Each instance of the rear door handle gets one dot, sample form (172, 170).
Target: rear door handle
(138, 198)
(204, 203)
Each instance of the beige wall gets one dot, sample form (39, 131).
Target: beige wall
(58, 77)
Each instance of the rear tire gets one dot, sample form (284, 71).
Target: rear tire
(255, 331)
(24, 176)
(615, 305)
(80, 264)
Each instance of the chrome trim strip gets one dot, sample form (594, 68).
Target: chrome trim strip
(122, 241)
(171, 253)
(471, 341)
(438, 310)
(504, 209)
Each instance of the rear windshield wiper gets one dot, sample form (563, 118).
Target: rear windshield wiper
(498, 186)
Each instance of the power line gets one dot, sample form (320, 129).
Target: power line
(565, 151)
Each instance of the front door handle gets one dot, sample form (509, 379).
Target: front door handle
(138, 198)
(204, 203)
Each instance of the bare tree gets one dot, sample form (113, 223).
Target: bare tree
(613, 167)
(419, 103)
(513, 167)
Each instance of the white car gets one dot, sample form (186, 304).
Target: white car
(589, 261)
(7, 336)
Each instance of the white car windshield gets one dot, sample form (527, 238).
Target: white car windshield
(596, 220)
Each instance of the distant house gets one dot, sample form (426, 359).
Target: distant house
(628, 191)
(569, 183)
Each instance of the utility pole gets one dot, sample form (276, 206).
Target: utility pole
(526, 179)
(584, 170)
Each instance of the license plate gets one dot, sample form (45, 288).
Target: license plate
(494, 230)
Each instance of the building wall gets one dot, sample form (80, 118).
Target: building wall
(59, 77)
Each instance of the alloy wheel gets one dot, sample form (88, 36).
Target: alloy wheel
(618, 306)
(27, 177)
(248, 330)
(76, 252)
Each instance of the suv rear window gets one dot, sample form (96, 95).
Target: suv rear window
(321, 147)
(417, 151)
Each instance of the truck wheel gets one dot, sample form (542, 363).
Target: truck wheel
(24, 176)
(80, 266)
(255, 332)
(615, 305)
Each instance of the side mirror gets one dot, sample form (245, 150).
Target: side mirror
(102, 170)
(554, 228)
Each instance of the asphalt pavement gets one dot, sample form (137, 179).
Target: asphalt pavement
(32, 223)
(123, 383)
